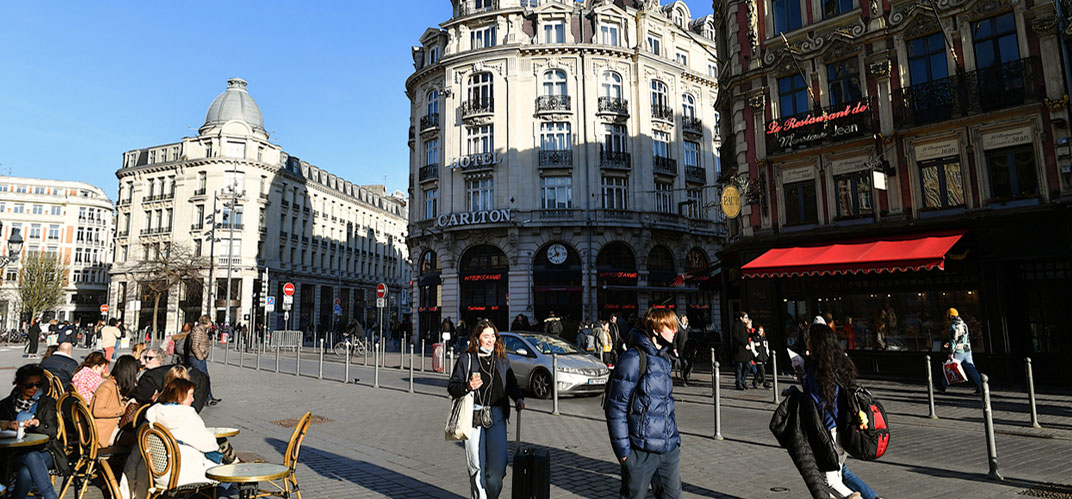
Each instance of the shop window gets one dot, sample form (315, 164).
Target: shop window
(844, 79)
(786, 14)
(854, 195)
(800, 203)
(942, 183)
(792, 95)
(1012, 172)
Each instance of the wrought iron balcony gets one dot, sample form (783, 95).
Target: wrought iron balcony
(663, 165)
(617, 160)
(613, 105)
(556, 158)
(477, 107)
(553, 103)
(471, 7)
(429, 172)
(200, 191)
(695, 173)
(662, 112)
(987, 89)
(430, 121)
(197, 226)
(692, 125)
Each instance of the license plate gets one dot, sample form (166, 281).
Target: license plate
(597, 381)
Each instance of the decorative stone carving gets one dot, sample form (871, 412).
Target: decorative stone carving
(923, 8)
(1045, 25)
(758, 100)
(987, 8)
(838, 50)
(753, 28)
(1055, 105)
(880, 69)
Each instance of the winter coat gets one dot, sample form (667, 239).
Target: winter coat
(552, 326)
(61, 366)
(651, 425)
(739, 337)
(680, 339)
(46, 414)
(799, 429)
(152, 381)
(958, 332)
(759, 348)
(199, 342)
(459, 376)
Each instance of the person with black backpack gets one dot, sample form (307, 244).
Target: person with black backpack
(639, 407)
(826, 370)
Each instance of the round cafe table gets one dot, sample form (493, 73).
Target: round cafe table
(247, 476)
(223, 431)
(7, 443)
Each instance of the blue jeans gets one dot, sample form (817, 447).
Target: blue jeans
(31, 470)
(969, 369)
(661, 471)
(739, 374)
(202, 366)
(485, 457)
(856, 484)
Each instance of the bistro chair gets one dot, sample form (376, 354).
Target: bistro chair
(91, 463)
(55, 386)
(160, 451)
(290, 460)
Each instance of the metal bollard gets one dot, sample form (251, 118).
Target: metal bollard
(258, 359)
(346, 370)
(320, 375)
(717, 389)
(366, 354)
(988, 423)
(212, 351)
(1031, 392)
(277, 359)
(422, 356)
(401, 354)
(774, 374)
(376, 368)
(930, 387)
(411, 368)
(554, 384)
(297, 360)
(226, 347)
(449, 367)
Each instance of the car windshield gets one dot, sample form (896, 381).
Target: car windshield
(549, 345)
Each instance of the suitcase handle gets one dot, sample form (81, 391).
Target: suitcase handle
(518, 449)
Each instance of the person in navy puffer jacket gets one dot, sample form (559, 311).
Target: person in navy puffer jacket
(640, 412)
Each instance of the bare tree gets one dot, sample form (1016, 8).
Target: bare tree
(41, 281)
(169, 265)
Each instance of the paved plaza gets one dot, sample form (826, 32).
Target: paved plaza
(387, 442)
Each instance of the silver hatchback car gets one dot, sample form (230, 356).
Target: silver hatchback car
(530, 356)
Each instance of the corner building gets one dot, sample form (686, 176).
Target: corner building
(563, 156)
(266, 209)
(900, 158)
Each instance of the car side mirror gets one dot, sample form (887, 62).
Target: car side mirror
(522, 351)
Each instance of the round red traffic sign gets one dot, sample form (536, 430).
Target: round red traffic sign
(288, 289)
(104, 308)
(381, 290)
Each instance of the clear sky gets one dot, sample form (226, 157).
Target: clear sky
(83, 82)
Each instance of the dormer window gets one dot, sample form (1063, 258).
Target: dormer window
(554, 32)
(679, 18)
(433, 55)
(482, 37)
(608, 35)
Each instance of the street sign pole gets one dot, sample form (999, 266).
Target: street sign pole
(266, 287)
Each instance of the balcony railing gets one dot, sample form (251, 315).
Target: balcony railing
(230, 226)
(664, 165)
(695, 173)
(197, 226)
(827, 125)
(471, 7)
(224, 260)
(987, 89)
(429, 172)
(200, 191)
(692, 125)
(557, 214)
(122, 233)
(553, 103)
(430, 121)
(612, 105)
(477, 107)
(618, 160)
(556, 158)
(662, 112)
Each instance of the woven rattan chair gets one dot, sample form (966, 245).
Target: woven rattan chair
(90, 463)
(163, 462)
(55, 386)
(290, 460)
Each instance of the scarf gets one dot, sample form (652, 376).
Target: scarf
(24, 405)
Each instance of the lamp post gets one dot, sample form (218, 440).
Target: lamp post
(14, 247)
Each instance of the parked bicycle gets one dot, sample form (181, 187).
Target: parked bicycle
(357, 347)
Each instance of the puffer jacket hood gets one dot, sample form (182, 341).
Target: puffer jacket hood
(651, 424)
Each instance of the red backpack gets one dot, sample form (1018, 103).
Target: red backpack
(863, 430)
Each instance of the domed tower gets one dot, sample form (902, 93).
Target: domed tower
(234, 112)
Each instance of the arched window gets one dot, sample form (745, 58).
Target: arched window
(658, 94)
(554, 82)
(433, 102)
(480, 88)
(612, 85)
(688, 106)
(679, 18)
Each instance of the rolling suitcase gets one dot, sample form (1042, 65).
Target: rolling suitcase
(532, 471)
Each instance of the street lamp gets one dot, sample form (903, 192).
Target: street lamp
(14, 247)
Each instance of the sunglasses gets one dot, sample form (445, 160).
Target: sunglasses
(148, 357)
(33, 385)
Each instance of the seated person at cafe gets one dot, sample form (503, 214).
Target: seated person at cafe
(154, 377)
(61, 364)
(112, 398)
(36, 412)
(89, 376)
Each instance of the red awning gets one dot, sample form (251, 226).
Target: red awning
(919, 252)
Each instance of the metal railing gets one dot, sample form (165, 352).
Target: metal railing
(612, 105)
(664, 165)
(695, 173)
(692, 124)
(477, 6)
(556, 158)
(429, 121)
(987, 89)
(478, 106)
(552, 103)
(662, 112)
(618, 160)
(285, 339)
(557, 214)
(429, 172)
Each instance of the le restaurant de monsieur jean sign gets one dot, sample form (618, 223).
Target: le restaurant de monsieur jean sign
(473, 218)
(796, 131)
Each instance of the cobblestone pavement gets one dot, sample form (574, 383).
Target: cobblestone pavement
(388, 443)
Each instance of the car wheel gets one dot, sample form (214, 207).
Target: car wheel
(540, 384)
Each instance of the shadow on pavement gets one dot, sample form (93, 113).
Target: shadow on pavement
(368, 476)
(971, 477)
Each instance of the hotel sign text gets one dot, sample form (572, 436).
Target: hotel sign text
(473, 218)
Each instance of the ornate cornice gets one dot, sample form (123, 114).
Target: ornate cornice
(1045, 25)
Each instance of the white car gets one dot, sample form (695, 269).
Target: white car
(530, 357)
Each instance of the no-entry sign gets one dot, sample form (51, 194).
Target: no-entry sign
(104, 308)
(288, 289)
(381, 290)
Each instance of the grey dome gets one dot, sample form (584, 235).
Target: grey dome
(235, 103)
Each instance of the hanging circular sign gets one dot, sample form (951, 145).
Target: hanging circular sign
(731, 202)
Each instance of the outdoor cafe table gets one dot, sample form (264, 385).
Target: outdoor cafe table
(223, 431)
(247, 476)
(7, 443)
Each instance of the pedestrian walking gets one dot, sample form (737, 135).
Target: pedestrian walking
(485, 371)
(199, 350)
(739, 344)
(518, 324)
(552, 325)
(110, 334)
(757, 344)
(34, 337)
(826, 370)
(959, 348)
(682, 357)
(646, 441)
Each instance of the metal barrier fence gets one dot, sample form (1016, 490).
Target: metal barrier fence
(289, 340)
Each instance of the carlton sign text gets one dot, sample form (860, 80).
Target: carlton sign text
(473, 218)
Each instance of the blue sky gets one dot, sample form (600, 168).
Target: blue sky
(83, 82)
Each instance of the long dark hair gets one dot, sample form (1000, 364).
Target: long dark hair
(828, 362)
(474, 338)
(125, 374)
(94, 359)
